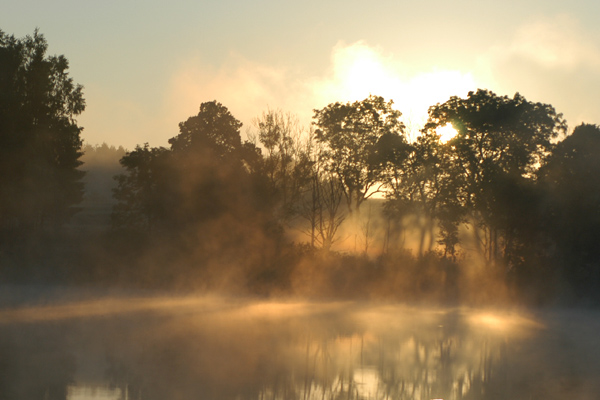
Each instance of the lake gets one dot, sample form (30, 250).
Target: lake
(210, 347)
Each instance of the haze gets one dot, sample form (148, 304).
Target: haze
(146, 67)
(313, 200)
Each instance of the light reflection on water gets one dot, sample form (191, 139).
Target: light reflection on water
(215, 348)
(83, 392)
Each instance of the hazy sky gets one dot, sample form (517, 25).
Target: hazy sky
(147, 65)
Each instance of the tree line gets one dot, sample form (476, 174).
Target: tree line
(512, 189)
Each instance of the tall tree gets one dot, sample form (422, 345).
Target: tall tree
(500, 144)
(320, 203)
(214, 130)
(396, 157)
(40, 142)
(350, 133)
(423, 189)
(139, 192)
(571, 183)
(207, 172)
(206, 197)
(287, 163)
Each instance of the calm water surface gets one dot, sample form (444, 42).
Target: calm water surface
(218, 348)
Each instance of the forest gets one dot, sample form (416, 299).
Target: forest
(507, 210)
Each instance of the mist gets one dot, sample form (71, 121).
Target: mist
(238, 348)
(358, 257)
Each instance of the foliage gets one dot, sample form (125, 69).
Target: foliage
(202, 205)
(214, 130)
(212, 200)
(320, 207)
(102, 155)
(207, 172)
(350, 133)
(140, 192)
(287, 163)
(501, 142)
(571, 186)
(40, 143)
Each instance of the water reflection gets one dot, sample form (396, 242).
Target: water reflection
(211, 348)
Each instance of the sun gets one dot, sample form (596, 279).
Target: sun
(360, 70)
(446, 132)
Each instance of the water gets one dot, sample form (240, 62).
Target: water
(219, 348)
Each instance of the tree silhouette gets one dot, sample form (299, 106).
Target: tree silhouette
(203, 205)
(320, 204)
(501, 142)
(213, 130)
(423, 188)
(40, 141)
(206, 173)
(139, 192)
(571, 182)
(287, 163)
(101, 164)
(436, 186)
(350, 133)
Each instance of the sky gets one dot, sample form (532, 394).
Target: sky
(148, 65)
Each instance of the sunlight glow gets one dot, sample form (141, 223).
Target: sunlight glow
(504, 322)
(492, 321)
(360, 70)
(367, 382)
(446, 132)
(84, 392)
(366, 75)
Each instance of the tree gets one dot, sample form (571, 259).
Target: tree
(287, 163)
(213, 131)
(320, 203)
(139, 192)
(396, 156)
(437, 184)
(216, 172)
(202, 206)
(422, 184)
(40, 142)
(571, 183)
(207, 172)
(500, 144)
(350, 133)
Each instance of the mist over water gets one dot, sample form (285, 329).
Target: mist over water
(352, 258)
(231, 348)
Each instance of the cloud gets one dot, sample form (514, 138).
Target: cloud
(245, 87)
(556, 42)
(356, 70)
(552, 60)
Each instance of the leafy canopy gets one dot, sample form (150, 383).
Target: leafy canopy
(350, 133)
(40, 142)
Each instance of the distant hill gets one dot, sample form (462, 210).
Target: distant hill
(101, 164)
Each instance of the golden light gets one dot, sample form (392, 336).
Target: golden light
(362, 71)
(492, 321)
(505, 322)
(446, 132)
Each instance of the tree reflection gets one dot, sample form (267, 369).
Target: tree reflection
(299, 351)
(351, 356)
(35, 363)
